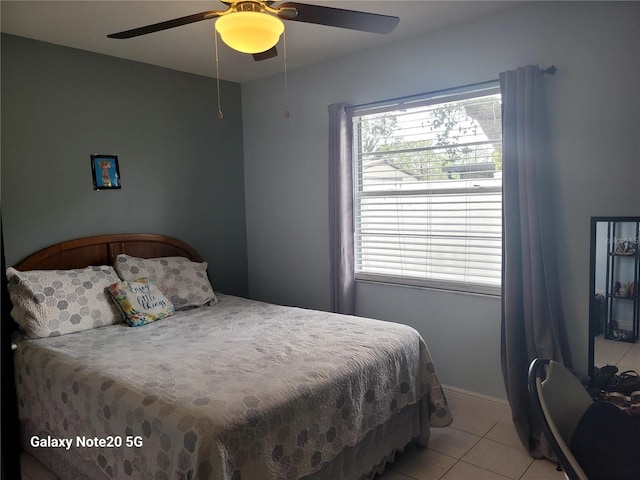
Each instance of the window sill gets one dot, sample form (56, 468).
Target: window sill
(404, 283)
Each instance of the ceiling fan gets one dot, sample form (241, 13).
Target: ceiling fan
(254, 26)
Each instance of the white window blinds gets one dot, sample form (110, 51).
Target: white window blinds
(428, 192)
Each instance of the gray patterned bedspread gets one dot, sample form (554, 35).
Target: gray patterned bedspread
(239, 390)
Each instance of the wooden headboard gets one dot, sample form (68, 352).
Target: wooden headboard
(103, 250)
(77, 253)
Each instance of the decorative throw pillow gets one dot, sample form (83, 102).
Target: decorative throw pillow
(140, 302)
(48, 303)
(184, 282)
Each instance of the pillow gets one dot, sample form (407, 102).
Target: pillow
(184, 282)
(140, 302)
(47, 303)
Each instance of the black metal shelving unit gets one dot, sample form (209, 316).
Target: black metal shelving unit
(623, 274)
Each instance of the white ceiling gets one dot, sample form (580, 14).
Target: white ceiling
(190, 48)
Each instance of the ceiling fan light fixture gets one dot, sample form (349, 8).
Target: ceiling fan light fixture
(249, 32)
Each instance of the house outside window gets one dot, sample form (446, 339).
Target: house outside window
(428, 192)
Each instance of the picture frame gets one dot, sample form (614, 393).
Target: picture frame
(105, 171)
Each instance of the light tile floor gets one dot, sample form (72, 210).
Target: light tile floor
(626, 356)
(481, 444)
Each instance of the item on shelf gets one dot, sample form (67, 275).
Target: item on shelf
(616, 288)
(626, 247)
(622, 269)
(624, 290)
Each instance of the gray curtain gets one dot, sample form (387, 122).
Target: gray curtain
(532, 324)
(341, 210)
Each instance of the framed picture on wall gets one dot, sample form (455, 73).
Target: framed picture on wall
(106, 172)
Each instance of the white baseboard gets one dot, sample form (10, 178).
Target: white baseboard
(496, 405)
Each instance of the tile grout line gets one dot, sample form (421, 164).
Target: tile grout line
(485, 437)
(449, 469)
(526, 470)
(486, 470)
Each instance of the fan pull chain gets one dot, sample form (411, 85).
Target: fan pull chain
(286, 86)
(215, 36)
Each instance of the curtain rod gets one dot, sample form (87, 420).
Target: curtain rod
(549, 71)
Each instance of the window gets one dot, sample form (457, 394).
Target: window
(428, 192)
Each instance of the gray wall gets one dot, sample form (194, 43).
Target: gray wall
(181, 167)
(594, 105)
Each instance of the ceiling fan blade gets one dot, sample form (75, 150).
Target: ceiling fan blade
(338, 17)
(272, 52)
(157, 27)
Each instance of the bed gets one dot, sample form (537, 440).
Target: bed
(220, 388)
